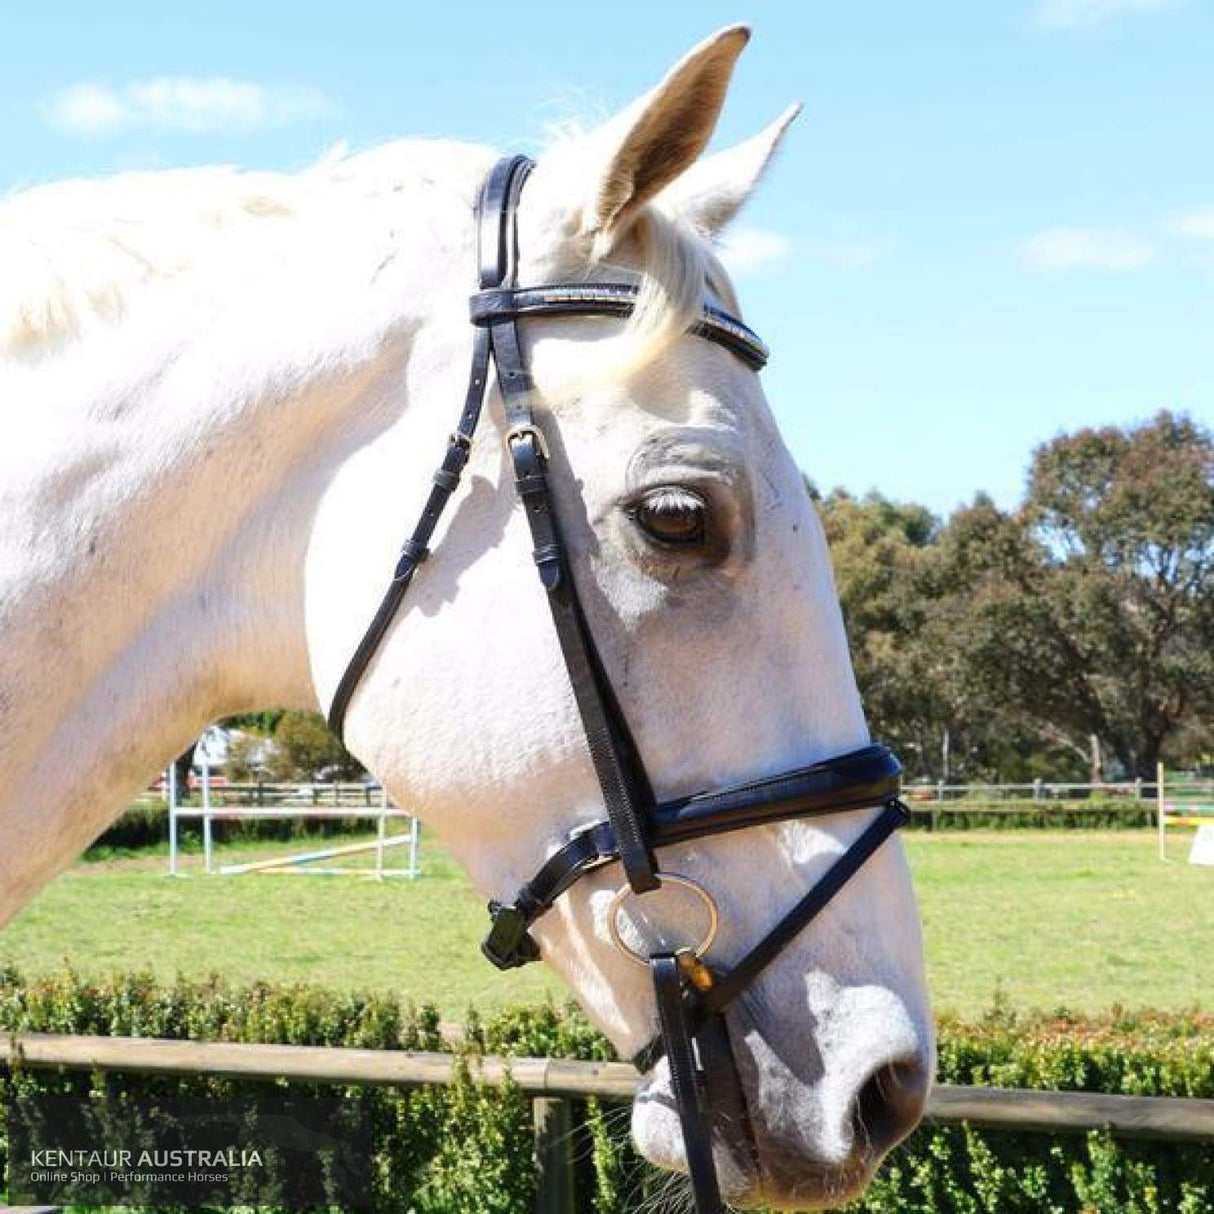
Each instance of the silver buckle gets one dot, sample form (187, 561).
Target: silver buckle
(530, 430)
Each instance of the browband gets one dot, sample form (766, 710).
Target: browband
(610, 299)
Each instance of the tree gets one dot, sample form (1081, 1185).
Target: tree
(248, 754)
(882, 553)
(1092, 607)
(304, 747)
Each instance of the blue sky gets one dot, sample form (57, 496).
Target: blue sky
(993, 221)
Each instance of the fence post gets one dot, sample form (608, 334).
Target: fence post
(172, 789)
(1161, 810)
(553, 1122)
(208, 841)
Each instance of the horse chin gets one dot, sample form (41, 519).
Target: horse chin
(780, 1142)
(659, 1138)
(749, 1176)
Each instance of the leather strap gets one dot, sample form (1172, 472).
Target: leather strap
(864, 777)
(686, 1083)
(730, 985)
(446, 480)
(416, 548)
(610, 299)
(627, 797)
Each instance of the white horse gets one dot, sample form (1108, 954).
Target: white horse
(223, 394)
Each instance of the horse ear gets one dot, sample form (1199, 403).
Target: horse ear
(627, 162)
(714, 190)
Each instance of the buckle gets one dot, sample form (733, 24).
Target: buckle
(530, 430)
(508, 943)
(695, 971)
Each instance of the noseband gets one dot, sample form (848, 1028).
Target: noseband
(691, 996)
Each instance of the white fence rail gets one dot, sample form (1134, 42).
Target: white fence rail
(298, 802)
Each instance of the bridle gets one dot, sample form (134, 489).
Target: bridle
(691, 997)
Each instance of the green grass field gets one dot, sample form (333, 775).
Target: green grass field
(1076, 918)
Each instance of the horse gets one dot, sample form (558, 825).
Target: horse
(223, 394)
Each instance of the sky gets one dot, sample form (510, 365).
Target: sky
(993, 221)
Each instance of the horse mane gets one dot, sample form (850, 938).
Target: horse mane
(83, 248)
(80, 250)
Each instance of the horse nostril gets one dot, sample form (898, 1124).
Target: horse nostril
(889, 1105)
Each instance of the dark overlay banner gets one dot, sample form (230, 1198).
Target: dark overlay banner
(275, 1151)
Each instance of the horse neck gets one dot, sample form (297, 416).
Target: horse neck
(151, 573)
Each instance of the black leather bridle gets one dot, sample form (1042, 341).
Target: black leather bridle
(691, 997)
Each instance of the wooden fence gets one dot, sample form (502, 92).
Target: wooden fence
(553, 1082)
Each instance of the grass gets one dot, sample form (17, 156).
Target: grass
(1078, 919)
(1082, 919)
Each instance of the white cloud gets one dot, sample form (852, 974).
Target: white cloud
(1062, 248)
(181, 103)
(853, 253)
(1195, 225)
(87, 109)
(750, 250)
(1069, 14)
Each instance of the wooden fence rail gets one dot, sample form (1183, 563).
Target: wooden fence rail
(1173, 1118)
(552, 1082)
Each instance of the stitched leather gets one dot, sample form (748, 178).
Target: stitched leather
(499, 300)
(686, 1083)
(624, 787)
(610, 299)
(734, 981)
(864, 777)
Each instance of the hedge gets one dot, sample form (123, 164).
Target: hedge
(467, 1150)
(1096, 812)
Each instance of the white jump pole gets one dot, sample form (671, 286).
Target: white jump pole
(1161, 811)
(171, 785)
(414, 838)
(284, 863)
(208, 843)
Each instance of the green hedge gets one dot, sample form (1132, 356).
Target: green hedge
(142, 824)
(1097, 812)
(467, 1150)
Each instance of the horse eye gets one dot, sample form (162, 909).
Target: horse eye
(672, 516)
